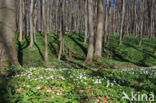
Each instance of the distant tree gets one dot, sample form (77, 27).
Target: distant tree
(35, 19)
(45, 31)
(26, 18)
(7, 32)
(141, 22)
(31, 24)
(21, 20)
(91, 33)
(100, 16)
(86, 21)
(106, 22)
(122, 21)
(61, 30)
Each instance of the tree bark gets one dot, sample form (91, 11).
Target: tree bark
(8, 32)
(100, 20)
(31, 25)
(142, 23)
(106, 22)
(122, 21)
(35, 20)
(91, 32)
(45, 31)
(61, 31)
(86, 21)
(21, 20)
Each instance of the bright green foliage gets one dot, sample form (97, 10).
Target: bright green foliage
(114, 55)
(85, 83)
(40, 85)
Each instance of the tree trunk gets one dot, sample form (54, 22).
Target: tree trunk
(35, 20)
(7, 32)
(56, 22)
(152, 20)
(31, 25)
(45, 32)
(86, 21)
(122, 21)
(142, 23)
(91, 32)
(61, 31)
(100, 20)
(106, 23)
(21, 20)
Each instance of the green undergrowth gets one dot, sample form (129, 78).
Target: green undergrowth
(127, 54)
(53, 85)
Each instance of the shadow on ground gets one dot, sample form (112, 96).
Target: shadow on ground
(3, 89)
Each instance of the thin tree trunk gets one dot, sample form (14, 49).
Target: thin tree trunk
(31, 25)
(122, 21)
(45, 32)
(61, 31)
(142, 23)
(56, 23)
(140, 36)
(86, 21)
(151, 22)
(35, 20)
(21, 20)
(100, 20)
(106, 23)
(91, 32)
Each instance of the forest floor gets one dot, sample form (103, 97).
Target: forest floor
(64, 85)
(128, 55)
(72, 81)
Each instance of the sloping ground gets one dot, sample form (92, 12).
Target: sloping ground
(63, 85)
(127, 55)
(71, 81)
(130, 51)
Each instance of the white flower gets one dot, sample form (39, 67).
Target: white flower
(108, 83)
(62, 78)
(52, 97)
(96, 82)
(41, 77)
(35, 79)
(100, 81)
(52, 77)
(38, 87)
(28, 76)
(28, 86)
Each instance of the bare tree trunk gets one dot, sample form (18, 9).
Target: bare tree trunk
(140, 36)
(7, 32)
(151, 22)
(45, 31)
(100, 20)
(61, 31)
(31, 25)
(86, 21)
(56, 23)
(122, 21)
(91, 32)
(106, 23)
(26, 18)
(35, 20)
(142, 23)
(21, 20)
